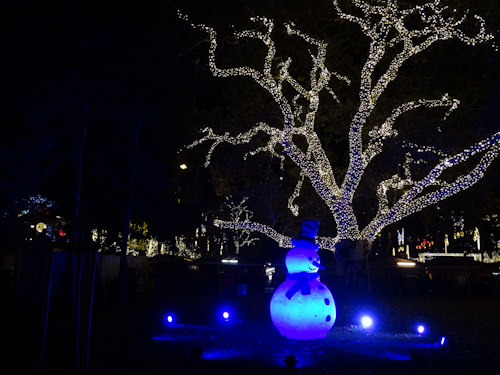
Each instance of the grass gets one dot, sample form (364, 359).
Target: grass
(133, 339)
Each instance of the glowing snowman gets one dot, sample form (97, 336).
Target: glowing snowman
(302, 307)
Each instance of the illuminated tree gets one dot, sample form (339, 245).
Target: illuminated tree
(239, 212)
(396, 34)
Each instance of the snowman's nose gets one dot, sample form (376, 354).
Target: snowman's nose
(318, 265)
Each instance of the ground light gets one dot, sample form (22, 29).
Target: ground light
(366, 321)
(225, 314)
(168, 319)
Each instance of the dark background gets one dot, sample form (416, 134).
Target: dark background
(132, 72)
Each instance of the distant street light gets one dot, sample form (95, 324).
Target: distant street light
(183, 166)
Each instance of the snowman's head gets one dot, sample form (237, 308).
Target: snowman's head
(303, 257)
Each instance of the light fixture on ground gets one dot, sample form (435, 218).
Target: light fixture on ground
(366, 321)
(225, 314)
(168, 318)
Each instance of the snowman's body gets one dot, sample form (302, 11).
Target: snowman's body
(302, 307)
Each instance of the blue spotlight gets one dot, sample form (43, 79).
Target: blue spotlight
(366, 321)
(420, 329)
(443, 341)
(225, 314)
(168, 319)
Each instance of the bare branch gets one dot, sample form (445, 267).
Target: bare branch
(390, 18)
(283, 241)
(242, 138)
(296, 193)
(410, 202)
(361, 22)
(452, 188)
(326, 243)
(386, 130)
(266, 38)
(318, 169)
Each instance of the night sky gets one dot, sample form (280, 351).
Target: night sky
(132, 71)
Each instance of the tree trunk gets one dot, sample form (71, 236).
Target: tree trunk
(352, 264)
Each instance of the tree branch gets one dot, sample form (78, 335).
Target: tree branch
(317, 168)
(410, 202)
(326, 243)
(386, 130)
(275, 136)
(389, 19)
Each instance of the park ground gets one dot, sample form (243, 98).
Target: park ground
(132, 339)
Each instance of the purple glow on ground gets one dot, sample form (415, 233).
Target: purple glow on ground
(248, 340)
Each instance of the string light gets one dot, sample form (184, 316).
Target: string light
(387, 27)
(238, 212)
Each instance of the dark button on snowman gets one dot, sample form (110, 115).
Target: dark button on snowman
(302, 307)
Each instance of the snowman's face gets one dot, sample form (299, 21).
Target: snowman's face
(302, 260)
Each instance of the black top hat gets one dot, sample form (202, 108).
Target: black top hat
(309, 230)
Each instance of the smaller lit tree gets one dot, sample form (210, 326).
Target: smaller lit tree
(239, 212)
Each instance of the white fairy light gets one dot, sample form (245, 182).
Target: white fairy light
(386, 26)
(240, 212)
